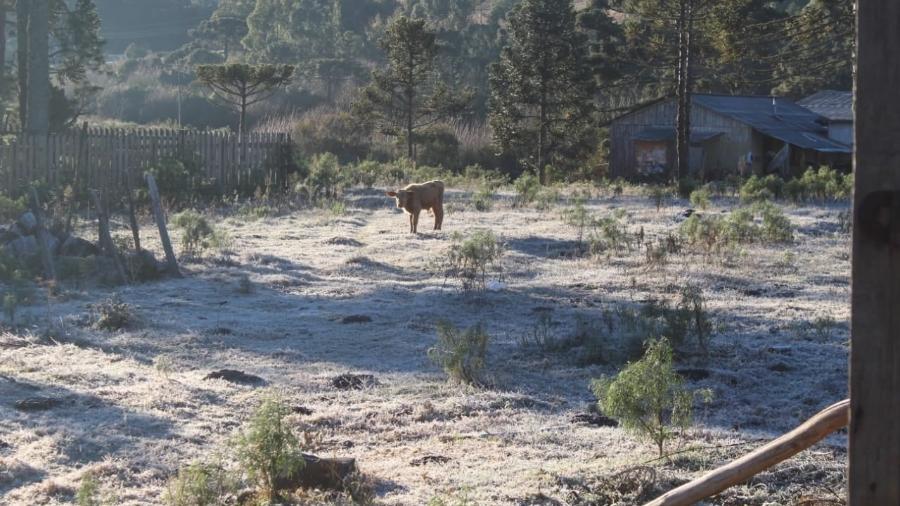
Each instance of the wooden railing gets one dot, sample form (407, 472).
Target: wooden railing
(109, 158)
(812, 431)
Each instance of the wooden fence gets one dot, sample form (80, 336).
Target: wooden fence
(110, 159)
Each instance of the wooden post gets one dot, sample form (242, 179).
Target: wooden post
(42, 237)
(813, 430)
(171, 261)
(106, 242)
(874, 476)
(132, 215)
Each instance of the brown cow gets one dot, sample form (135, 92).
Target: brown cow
(416, 197)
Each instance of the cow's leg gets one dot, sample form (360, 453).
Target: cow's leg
(415, 218)
(411, 226)
(438, 216)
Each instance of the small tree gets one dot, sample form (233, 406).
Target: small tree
(648, 396)
(242, 85)
(409, 95)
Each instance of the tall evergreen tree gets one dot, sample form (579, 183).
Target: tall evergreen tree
(541, 89)
(409, 95)
(241, 85)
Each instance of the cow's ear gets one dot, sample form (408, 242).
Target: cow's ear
(391, 194)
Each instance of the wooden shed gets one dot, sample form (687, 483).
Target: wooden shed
(729, 135)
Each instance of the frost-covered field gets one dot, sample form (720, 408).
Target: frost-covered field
(134, 405)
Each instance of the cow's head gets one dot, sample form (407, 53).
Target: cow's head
(403, 197)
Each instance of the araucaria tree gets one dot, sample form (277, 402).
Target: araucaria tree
(242, 85)
(542, 87)
(409, 95)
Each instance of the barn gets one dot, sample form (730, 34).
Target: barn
(729, 135)
(837, 109)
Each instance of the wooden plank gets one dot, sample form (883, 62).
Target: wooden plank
(874, 477)
(171, 261)
(813, 430)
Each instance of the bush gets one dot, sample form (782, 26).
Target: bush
(527, 188)
(609, 233)
(578, 217)
(177, 179)
(88, 491)
(11, 209)
(267, 449)
(715, 234)
(438, 145)
(460, 354)
(197, 234)
(483, 199)
(776, 227)
(470, 258)
(324, 180)
(648, 396)
(757, 189)
(198, 485)
(658, 195)
(700, 198)
(339, 133)
(113, 314)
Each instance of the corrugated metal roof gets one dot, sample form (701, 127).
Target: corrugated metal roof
(834, 105)
(667, 134)
(776, 117)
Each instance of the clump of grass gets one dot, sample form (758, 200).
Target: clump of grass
(163, 365)
(267, 449)
(198, 234)
(700, 198)
(609, 233)
(113, 314)
(648, 396)
(245, 285)
(470, 258)
(527, 187)
(88, 491)
(483, 199)
(461, 354)
(579, 218)
(658, 195)
(540, 335)
(763, 222)
(592, 340)
(199, 485)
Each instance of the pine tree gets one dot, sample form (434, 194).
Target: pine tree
(241, 85)
(409, 94)
(541, 89)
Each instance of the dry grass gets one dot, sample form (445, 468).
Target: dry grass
(516, 442)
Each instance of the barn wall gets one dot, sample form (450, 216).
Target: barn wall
(721, 156)
(841, 131)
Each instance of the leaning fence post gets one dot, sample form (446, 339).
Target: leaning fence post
(106, 242)
(171, 261)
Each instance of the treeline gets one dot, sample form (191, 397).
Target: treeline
(504, 83)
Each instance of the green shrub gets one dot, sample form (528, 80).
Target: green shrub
(540, 334)
(470, 258)
(715, 234)
(197, 234)
(88, 491)
(267, 449)
(199, 485)
(177, 179)
(461, 354)
(527, 188)
(657, 194)
(113, 314)
(648, 396)
(700, 198)
(11, 209)
(363, 174)
(483, 199)
(592, 340)
(578, 217)
(691, 314)
(324, 180)
(757, 189)
(547, 198)
(776, 227)
(609, 234)
(319, 132)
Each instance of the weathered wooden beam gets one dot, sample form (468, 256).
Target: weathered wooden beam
(171, 260)
(874, 476)
(813, 430)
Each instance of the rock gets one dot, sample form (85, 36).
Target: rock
(37, 403)
(27, 222)
(320, 472)
(144, 266)
(302, 410)
(353, 381)
(23, 247)
(234, 376)
(78, 247)
(356, 318)
(430, 459)
(780, 367)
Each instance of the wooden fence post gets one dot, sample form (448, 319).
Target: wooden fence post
(171, 260)
(106, 242)
(875, 325)
(43, 237)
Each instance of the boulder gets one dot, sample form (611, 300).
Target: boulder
(27, 222)
(78, 247)
(23, 247)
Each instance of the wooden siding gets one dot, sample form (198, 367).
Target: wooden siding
(721, 156)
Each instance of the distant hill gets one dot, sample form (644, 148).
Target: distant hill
(159, 25)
